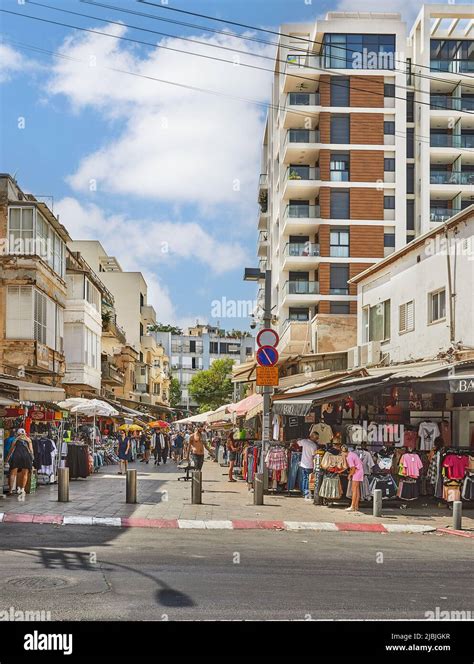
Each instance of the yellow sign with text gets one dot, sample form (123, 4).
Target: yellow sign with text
(267, 376)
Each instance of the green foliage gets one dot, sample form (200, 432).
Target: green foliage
(160, 327)
(213, 388)
(175, 393)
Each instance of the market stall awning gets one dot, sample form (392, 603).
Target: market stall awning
(222, 414)
(200, 417)
(8, 402)
(27, 391)
(242, 407)
(295, 407)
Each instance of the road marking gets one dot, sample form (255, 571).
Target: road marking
(78, 521)
(219, 525)
(309, 525)
(188, 523)
(106, 521)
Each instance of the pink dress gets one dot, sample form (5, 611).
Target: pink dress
(353, 461)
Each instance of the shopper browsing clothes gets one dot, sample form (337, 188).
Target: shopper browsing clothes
(356, 475)
(20, 458)
(123, 452)
(309, 447)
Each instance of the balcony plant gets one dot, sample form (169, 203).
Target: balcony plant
(263, 201)
(294, 176)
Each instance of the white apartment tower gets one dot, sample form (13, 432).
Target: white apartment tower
(359, 154)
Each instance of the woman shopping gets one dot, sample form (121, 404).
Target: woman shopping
(20, 458)
(356, 475)
(123, 452)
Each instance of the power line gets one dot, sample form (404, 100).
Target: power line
(207, 57)
(253, 27)
(266, 105)
(268, 43)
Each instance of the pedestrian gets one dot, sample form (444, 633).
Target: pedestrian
(309, 447)
(356, 474)
(161, 448)
(20, 458)
(178, 447)
(123, 452)
(147, 449)
(196, 449)
(233, 447)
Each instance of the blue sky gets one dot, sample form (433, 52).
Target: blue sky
(164, 176)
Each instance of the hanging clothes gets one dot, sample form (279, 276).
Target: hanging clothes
(324, 432)
(428, 432)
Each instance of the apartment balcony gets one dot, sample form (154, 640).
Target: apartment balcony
(301, 145)
(452, 177)
(112, 330)
(448, 103)
(263, 182)
(452, 66)
(440, 214)
(301, 182)
(148, 314)
(262, 244)
(298, 256)
(456, 141)
(295, 337)
(111, 375)
(301, 64)
(301, 219)
(263, 220)
(297, 106)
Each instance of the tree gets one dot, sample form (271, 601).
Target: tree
(175, 393)
(212, 388)
(160, 327)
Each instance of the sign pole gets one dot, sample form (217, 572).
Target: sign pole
(267, 321)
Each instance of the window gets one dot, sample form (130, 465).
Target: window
(389, 202)
(389, 164)
(389, 127)
(437, 305)
(340, 129)
(157, 388)
(339, 167)
(19, 321)
(340, 204)
(389, 90)
(358, 51)
(339, 308)
(376, 322)
(389, 240)
(340, 91)
(410, 215)
(339, 242)
(406, 317)
(338, 278)
(92, 294)
(248, 351)
(192, 346)
(214, 347)
(141, 329)
(410, 142)
(410, 106)
(39, 317)
(29, 233)
(298, 314)
(21, 231)
(410, 178)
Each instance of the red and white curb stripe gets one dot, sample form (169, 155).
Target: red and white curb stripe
(235, 524)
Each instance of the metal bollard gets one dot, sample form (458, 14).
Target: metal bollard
(258, 489)
(196, 487)
(131, 490)
(377, 502)
(63, 485)
(457, 515)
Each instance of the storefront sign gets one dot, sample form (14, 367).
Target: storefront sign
(293, 422)
(461, 385)
(267, 376)
(14, 412)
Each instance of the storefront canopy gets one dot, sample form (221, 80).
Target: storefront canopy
(34, 391)
(201, 417)
(295, 407)
(242, 407)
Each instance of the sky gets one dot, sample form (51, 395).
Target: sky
(132, 150)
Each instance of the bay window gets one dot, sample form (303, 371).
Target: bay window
(31, 314)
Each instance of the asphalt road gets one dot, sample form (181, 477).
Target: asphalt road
(106, 573)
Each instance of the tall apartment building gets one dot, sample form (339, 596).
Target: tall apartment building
(32, 286)
(151, 380)
(353, 164)
(197, 348)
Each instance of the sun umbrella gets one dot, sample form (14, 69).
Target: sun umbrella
(68, 404)
(130, 427)
(159, 424)
(95, 408)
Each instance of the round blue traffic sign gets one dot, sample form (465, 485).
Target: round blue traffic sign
(267, 356)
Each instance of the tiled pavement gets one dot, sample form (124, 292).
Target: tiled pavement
(162, 497)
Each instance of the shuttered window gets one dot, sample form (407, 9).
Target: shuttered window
(19, 319)
(406, 321)
(339, 203)
(338, 277)
(340, 129)
(340, 91)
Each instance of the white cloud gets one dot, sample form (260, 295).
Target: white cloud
(174, 144)
(147, 245)
(10, 62)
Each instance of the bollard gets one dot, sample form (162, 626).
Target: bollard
(196, 487)
(258, 489)
(63, 485)
(457, 515)
(131, 490)
(377, 502)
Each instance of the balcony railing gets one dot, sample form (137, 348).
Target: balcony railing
(302, 136)
(302, 287)
(111, 373)
(452, 66)
(304, 60)
(452, 140)
(445, 102)
(451, 177)
(442, 214)
(303, 99)
(263, 180)
(302, 173)
(302, 249)
(303, 212)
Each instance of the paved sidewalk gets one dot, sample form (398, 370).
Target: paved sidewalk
(162, 497)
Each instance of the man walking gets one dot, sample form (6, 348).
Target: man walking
(196, 449)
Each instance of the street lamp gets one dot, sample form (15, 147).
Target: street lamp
(255, 274)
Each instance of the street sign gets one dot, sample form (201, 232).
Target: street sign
(267, 356)
(267, 337)
(267, 376)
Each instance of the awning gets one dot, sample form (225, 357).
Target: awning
(201, 417)
(253, 412)
(8, 402)
(221, 415)
(34, 391)
(295, 407)
(242, 407)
